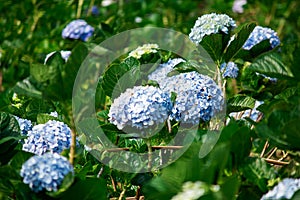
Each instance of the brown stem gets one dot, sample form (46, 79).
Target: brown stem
(72, 147)
(276, 162)
(264, 149)
(138, 193)
(271, 154)
(148, 142)
(113, 183)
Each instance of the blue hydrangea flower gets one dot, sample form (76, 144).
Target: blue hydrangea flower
(251, 113)
(53, 136)
(95, 10)
(238, 6)
(198, 96)
(45, 172)
(211, 24)
(78, 29)
(64, 54)
(25, 125)
(229, 70)
(141, 109)
(284, 190)
(260, 34)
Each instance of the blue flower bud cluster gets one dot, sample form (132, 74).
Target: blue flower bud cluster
(198, 96)
(229, 70)
(260, 34)
(251, 113)
(284, 190)
(53, 136)
(64, 54)
(211, 24)
(25, 125)
(45, 172)
(141, 109)
(78, 29)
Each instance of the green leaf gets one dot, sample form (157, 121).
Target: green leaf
(237, 136)
(255, 51)
(214, 45)
(239, 103)
(281, 126)
(270, 64)
(90, 188)
(9, 128)
(43, 118)
(19, 159)
(119, 77)
(240, 37)
(26, 87)
(259, 172)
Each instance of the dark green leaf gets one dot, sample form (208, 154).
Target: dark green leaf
(258, 171)
(270, 64)
(91, 188)
(240, 102)
(242, 34)
(214, 45)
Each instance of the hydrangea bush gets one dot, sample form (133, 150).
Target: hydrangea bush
(252, 81)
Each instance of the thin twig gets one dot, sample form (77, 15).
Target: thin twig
(148, 142)
(113, 183)
(276, 162)
(72, 147)
(271, 154)
(138, 193)
(90, 8)
(122, 194)
(100, 172)
(264, 149)
(284, 156)
(79, 8)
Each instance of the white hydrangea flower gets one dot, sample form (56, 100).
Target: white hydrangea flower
(194, 190)
(145, 49)
(211, 24)
(284, 190)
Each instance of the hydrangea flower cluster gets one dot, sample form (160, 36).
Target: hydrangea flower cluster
(284, 190)
(78, 29)
(229, 70)
(141, 108)
(25, 125)
(198, 96)
(45, 172)
(211, 24)
(259, 34)
(251, 113)
(64, 54)
(194, 190)
(53, 136)
(145, 49)
(238, 6)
